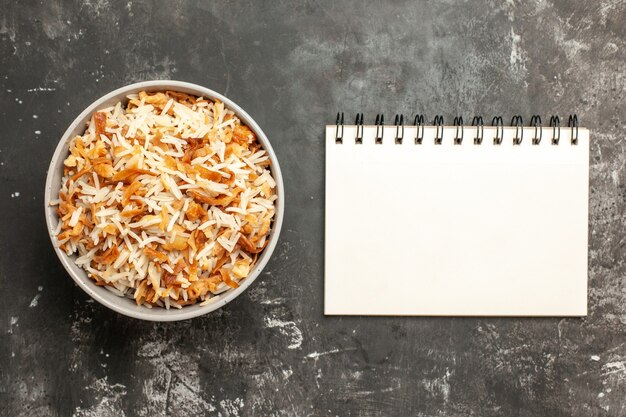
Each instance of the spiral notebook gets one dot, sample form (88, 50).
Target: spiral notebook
(456, 220)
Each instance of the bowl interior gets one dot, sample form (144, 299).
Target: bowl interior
(121, 304)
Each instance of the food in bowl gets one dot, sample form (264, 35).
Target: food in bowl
(167, 199)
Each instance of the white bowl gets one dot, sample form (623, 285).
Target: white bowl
(124, 305)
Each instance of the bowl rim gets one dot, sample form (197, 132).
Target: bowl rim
(162, 314)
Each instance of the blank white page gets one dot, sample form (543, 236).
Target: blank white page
(456, 230)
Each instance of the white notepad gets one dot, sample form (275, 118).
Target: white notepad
(456, 229)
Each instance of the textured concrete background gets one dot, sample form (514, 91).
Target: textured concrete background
(293, 66)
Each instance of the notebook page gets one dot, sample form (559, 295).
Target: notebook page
(456, 229)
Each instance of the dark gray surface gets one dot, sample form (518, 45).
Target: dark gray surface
(272, 352)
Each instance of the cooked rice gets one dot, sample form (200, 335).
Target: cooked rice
(167, 200)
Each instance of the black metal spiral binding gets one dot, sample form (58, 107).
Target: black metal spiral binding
(438, 122)
(480, 129)
(555, 124)
(499, 124)
(458, 122)
(519, 129)
(339, 133)
(358, 139)
(535, 122)
(477, 121)
(380, 128)
(419, 125)
(573, 124)
(399, 123)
